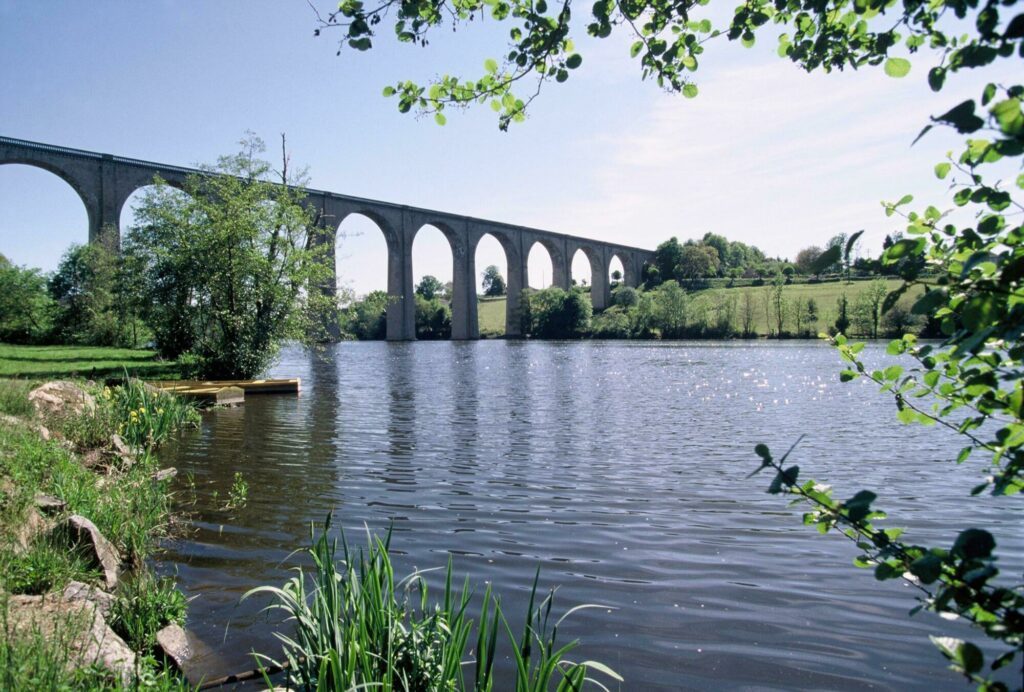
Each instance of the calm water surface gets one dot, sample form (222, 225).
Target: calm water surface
(619, 469)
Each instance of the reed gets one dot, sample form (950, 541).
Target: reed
(356, 626)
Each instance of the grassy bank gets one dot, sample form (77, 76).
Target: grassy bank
(491, 311)
(82, 474)
(40, 362)
(491, 316)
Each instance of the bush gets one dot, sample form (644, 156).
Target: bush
(556, 314)
(433, 319)
(613, 323)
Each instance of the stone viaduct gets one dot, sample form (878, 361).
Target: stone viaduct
(105, 182)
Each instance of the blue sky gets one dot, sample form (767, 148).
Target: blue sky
(766, 154)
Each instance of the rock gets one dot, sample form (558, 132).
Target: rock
(48, 504)
(77, 591)
(165, 474)
(102, 553)
(121, 447)
(61, 398)
(33, 525)
(16, 422)
(172, 644)
(80, 629)
(122, 451)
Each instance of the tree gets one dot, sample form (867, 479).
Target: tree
(553, 313)
(366, 319)
(84, 288)
(667, 257)
(430, 287)
(433, 318)
(778, 303)
(671, 307)
(493, 282)
(720, 244)
(26, 310)
(234, 267)
(697, 262)
(842, 323)
(871, 300)
(979, 302)
(616, 276)
(747, 314)
(806, 258)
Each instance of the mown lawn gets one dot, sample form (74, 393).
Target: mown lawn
(81, 361)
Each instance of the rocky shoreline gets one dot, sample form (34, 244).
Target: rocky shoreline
(69, 442)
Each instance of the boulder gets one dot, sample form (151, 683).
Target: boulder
(79, 627)
(48, 504)
(34, 524)
(122, 451)
(16, 422)
(172, 644)
(165, 474)
(76, 591)
(84, 534)
(61, 398)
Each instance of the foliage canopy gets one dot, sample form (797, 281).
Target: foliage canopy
(232, 268)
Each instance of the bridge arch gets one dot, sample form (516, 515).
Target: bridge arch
(582, 272)
(497, 247)
(360, 246)
(540, 266)
(42, 207)
(44, 172)
(433, 253)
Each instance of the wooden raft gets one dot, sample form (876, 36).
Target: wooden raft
(227, 392)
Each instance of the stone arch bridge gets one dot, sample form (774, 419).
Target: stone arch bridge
(105, 182)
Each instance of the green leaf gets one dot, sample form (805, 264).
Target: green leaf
(636, 48)
(847, 375)
(897, 67)
(962, 117)
(936, 78)
(440, 119)
(491, 65)
(784, 478)
(690, 90)
(389, 91)
(927, 568)
(974, 544)
(574, 61)
(942, 170)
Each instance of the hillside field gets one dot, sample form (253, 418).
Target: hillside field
(491, 311)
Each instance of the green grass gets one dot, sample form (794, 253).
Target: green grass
(824, 294)
(491, 316)
(357, 627)
(491, 311)
(128, 507)
(81, 361)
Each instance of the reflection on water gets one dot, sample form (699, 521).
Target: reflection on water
(619, 469)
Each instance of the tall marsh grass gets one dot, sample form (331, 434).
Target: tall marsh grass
(356, 626)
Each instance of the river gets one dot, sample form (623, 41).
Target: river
(620, 469)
